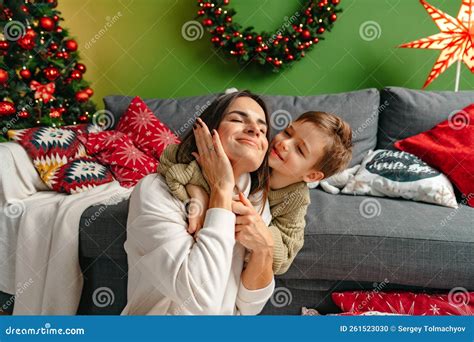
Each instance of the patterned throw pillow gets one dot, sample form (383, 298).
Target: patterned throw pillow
(115, 149)
(147, 132)
(400, 174)
(60, 157)
(457, 302)
(79, 175)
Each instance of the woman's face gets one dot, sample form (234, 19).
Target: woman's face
(243, 134)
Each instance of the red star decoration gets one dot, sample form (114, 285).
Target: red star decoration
(456, 39)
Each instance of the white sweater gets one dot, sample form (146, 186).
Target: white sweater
(172, 274)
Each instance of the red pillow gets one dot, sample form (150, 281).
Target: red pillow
(79, 175)
(126, 161)
(408, 303)
(449, 148)
(147, 132)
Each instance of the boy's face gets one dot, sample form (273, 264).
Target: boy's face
(296, 150)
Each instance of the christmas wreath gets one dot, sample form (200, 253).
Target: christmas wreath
(299, 33)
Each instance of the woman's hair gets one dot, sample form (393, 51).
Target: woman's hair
(212, 117)
(338, 151)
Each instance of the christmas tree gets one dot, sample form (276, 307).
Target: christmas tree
(41, 79)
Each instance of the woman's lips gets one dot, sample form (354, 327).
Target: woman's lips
(249, 142)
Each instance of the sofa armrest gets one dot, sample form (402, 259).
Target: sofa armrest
(18, 176)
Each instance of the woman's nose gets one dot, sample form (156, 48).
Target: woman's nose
(253, 129)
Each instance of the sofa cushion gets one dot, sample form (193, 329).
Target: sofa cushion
(358, 108)
(365, 239)
(407, 112)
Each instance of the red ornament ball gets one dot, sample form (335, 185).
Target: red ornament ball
(201, 12)
(4, 45)
(71, 45)
(321, 30)
(30, 33)
(53, 46)
(59, 29)
(82, 96)
(51, 73)
(56, 18)
(26, 42)
(24, 9)
(81, 67)
(83, 118)
(89, 91)
(335, 2)
(3, 76)
(76, 75)
(25, 74)
(239, 45)
(23, 114)
(220, 29)
(47, 23)
(7, 108)
(333, 17)
(228, 19)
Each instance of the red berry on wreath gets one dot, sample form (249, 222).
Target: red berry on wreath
(201, 12)
(315, 40)
(7, 108)
(53, 46)
(228, 19)
(65, 55)
(269, 59)
(333, 17)
(306, 34)
(290, 57)
(259, 39)
(4, 45)
(51, 73)
(81, 96)
(47, 23)
(3, 76)
(215, 40)
(335, 2)
(25, 74)
(24, 9)
(207, 22)
(258, 49)
(59, 29)
(239, 45)
(321, 30)
(220, 29)
(76, 75)
(236, 33)
(249, 37)
(226, 2)
(71, 45)
(83, 118)
(218, 11)
(81, 67)
(55, 18)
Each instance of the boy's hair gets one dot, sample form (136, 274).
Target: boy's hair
(338, 151)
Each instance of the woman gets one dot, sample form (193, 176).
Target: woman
(170, 272)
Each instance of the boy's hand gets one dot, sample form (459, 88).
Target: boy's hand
(199, 204)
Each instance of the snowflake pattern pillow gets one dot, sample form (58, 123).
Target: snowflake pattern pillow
(116, 150)
(147, 132)
(401, 174)
(457, 302)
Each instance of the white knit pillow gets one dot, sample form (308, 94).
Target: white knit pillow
(401, 174)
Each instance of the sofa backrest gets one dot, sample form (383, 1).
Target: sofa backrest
(358, 108)
(407, 112)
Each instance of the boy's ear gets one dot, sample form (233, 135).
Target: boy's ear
(313, 176)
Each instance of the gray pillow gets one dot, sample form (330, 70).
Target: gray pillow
(358, 108)
(407, 112)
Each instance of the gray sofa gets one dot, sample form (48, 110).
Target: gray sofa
(410, 245)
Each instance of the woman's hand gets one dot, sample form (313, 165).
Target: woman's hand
(197, 208)
(250, 230)
(211, 157)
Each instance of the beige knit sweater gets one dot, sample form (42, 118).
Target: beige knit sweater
(287, 205)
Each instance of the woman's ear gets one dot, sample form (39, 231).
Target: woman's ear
(313, 176)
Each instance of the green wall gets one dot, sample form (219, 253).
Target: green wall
(143, 52)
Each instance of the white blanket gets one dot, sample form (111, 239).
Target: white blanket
(39, 236)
